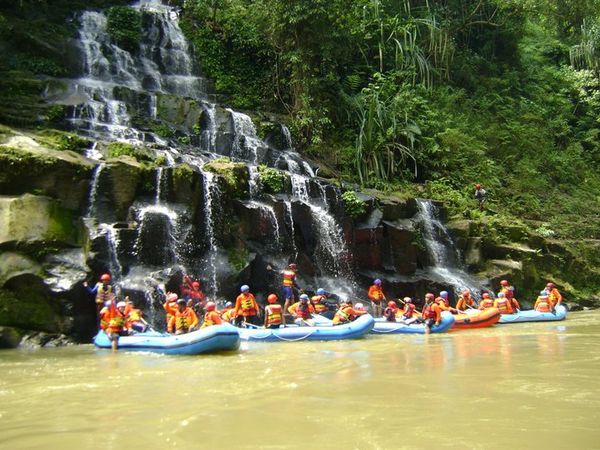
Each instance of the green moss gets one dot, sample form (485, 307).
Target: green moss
(353, 205)
(60, 140)
(140, 154)
(272, 180)
(28, 309)
(183, 173)
(238, 258)
(124, 25)
(61, 224)
(235, 175)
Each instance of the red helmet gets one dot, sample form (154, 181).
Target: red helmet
(486, 295)
(172, 297)
(466, 293)
(210, 306)
(292, 266)
(407, 300)
(478, 186)
(392, 304)
(550, 285)
(429, 296)
(272, 298)
(196, 284)
(105, 277)
(504, 283)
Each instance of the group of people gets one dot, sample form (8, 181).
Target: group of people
(189, 309)
(505, 302)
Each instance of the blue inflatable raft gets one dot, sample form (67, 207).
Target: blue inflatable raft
(324, 332)
(534, 316)
(384, 327)
(206, 340)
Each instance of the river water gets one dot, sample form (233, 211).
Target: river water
(521, 386)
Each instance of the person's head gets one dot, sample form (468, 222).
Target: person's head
(304, 298)
(321, 291)
(292, 266)
(392, 304)
(181, 304)
(105, 278)
(501, 295)
(478, 186)
(211, 306)
(377, 282)
(544, 294)
(407, 300)
(172, 297)
(359, 307)
(196, 285)
(229, 305)
(429, 297)
(504, 283)
(272, 298)
(121, 306)
(245, 289)
(485, 295)
(444, 295)
(550, 286)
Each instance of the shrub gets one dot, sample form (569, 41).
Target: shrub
(273, 180)
(353, 205)
(117, 149)
(125, 27)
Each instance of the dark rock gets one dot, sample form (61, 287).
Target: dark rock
(9, 337)
(395, 208)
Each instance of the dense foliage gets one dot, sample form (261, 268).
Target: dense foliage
(446, 93)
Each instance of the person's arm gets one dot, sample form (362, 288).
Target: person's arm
(238, 305)
(194, 323)
(91, 291)
(292, 309)
(438, 314)
(216, 318)
(266, 316)
(171, 325)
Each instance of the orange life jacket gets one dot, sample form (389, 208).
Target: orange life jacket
(289, 276)
(248, 305)
(117, 321)
(228, 315)
(543, 305)
(464, 302)
(376, 293)
(184, 320)
(503, 305)
(211, 318)
(344, 314)
(508, 292)
(429, 312)
(319, 307)
(486, 303)
(274, 314)
(409, 310)
(104, 317)
(303, 311)
(554, 297)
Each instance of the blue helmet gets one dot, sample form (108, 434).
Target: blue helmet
(377, 282)
(501, 294)
(321, 291)
(245, 288)
(444, 294)
(304, 297)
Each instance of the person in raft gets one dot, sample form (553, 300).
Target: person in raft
(432, 314)
(409, 314)
(103, 290)
(543, 302)
(509, 293)
(117, 321)
(486, 302)
(246, 308)
(274, 317)
(503, 304)
(170, 305)
(553, 295)
(389, 313)
(302, 312)
(465, 301)
(135, 319)
(184, 320)
(228, 313)
(480, 195)
(318, 301)
(288, 284)
(190, 291)
(346, 313)
(444, 303)
(211, 317)
(376, 296)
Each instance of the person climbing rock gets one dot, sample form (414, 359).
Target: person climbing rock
(288, 284)
(486, 302)
(376, 296)
(465, 301)
(211, 317)
(273, 313)
(503, 304)
(184, 320)
(103, 290)
(480, 195)
(346, 313)
(543, 302)
(553, 295)
(389, 313)
(190, 291)
(432, 314)
(246, 308)
(302, 312)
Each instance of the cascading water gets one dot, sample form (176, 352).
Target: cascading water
(93, 197)
(245, 141)
(211, 195)
(445, 258)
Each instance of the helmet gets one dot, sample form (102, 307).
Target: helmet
(228, 305)
(172, 297)
(245, 288)
(272, 298)
(504, 283)
(377, 282)
(321, 291)
(429, 296)
(121, 305)
(181, 301)
(105, 277)
(293, 266)
(501, 294)
(210, 306)
(304, 297)
(359, 307)
(444, 294)
(478, 186)
(196, 284)
(550, 285)
(107, 303)
(392, 304)
(407, 299)
(466, 293)
(485, 295)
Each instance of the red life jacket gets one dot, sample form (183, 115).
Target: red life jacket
(503, 305)
(389, 314)
(428, 312)
(289, 276)
(274, 314)
(303, 311)
(409, 311)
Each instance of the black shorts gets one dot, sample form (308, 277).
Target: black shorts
(429, 323)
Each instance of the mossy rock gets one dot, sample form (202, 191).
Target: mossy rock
(29, 308)
(126, 175)
(31, 221)
(234, 174)
(13, 264)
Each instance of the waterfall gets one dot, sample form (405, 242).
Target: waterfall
(445, 258)
(156, 243)
(245, 141)
(93, 198)
(211, 194)
(287, 136)
(161, 185)
(290, 219)
(253, 181)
